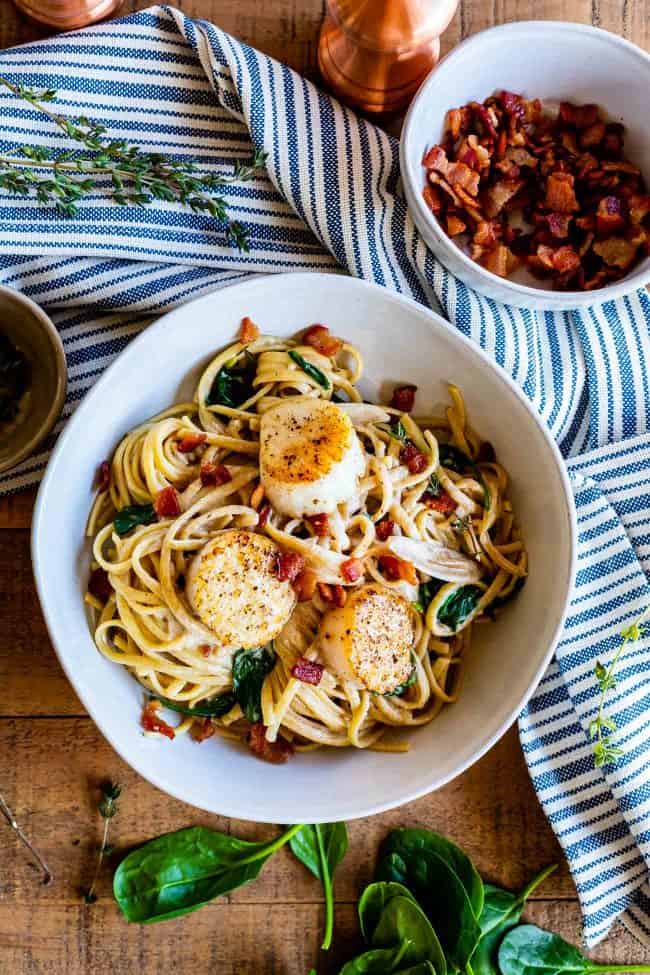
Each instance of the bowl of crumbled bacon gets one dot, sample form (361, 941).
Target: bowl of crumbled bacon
(523, 161)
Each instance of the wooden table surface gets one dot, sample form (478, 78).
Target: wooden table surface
(52, 757)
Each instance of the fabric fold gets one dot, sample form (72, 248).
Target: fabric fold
(331, 200)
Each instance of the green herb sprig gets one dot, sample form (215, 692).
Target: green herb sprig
(309, 369)
(137, 177)
(602, 727)
(24, 839)
(108, 807)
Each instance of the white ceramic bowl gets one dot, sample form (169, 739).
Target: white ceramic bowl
(540, 59)
(160, 367)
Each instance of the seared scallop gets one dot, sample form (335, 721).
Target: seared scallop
(233, 587)
(369, 640)
(310, 457)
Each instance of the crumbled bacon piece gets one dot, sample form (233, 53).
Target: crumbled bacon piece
(332, 593)
(639, 208)
(103, 477)
(559, 223)
(263, 515)
(581, 116)
(319, 338)
(609, 216)
(275, 752)
(403, 398)
(455, 225)
(560, 194)
(305, 585)
(190, 441)
(593, 135)
(151, 722)
(432, 198)
(167, 503)
(384, 528)
(213, 475)
(500, 260)
(616, 251)
(497, 196)
(320, 524)
(202, 730)
(394, 568)
(289, 566)
(248, 331)
(99, 585)
(308, 671)
(206, 650)
(352, 569)
(441, 502)
(414, 459)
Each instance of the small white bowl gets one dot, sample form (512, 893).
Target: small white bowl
(552, 61)
(399, 340)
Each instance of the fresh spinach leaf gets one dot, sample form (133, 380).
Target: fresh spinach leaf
(403, 920)
(459, 606)
(423, 968)
(527, 950)
(426, 592)
(501, 905)
(233, 384)
(249, 670)
(373, 901)
(216, 707)
(132, 516)
(179, 872)
(377, 961)
(409, 842)
(444, 882)
(321, 848)
(309, 369)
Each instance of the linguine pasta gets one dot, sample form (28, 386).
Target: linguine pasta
(429, 520)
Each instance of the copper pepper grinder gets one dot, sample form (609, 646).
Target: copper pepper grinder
(375, 53)
(68, 14)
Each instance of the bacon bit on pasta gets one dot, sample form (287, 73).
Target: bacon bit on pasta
(384, 528)
(167, 503)
(289, 566)
(103, 477)
(352, 569)
(263, 515)
(505, 162)
(206, 650)
(275, 752)
(442, 502)
(394, 568)
(151, 722)
(319, 338)
(308, 671)
(213, 475)
(332, 593)
(414, 459)
(248, 331)
(305, 585)
(191, 441)
(199, 732)
(320, 523)
(403, 398)
(257, 496)
(99, 585)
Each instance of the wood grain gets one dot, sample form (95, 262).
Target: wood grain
(52, 758)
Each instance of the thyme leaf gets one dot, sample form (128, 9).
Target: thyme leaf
(107, 807)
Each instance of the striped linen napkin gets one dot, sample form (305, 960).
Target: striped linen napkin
(331, 200)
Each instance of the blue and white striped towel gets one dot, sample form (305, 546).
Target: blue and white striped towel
(331, 199)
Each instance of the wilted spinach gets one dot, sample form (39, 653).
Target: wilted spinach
(309, 369)
(321, 848)
(456, 460)
(528, 950)
(249, 670)
(409, 682)
(459, 606)
(214, 708)
(180, 872)
(132, 516)
(233, 384)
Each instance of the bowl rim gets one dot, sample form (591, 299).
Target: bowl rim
(61, 370)
(56, 629)
(564, 299)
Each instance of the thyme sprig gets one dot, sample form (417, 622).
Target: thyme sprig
(24, 839)
(108, 807)
(602, 727)
(137, 177)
